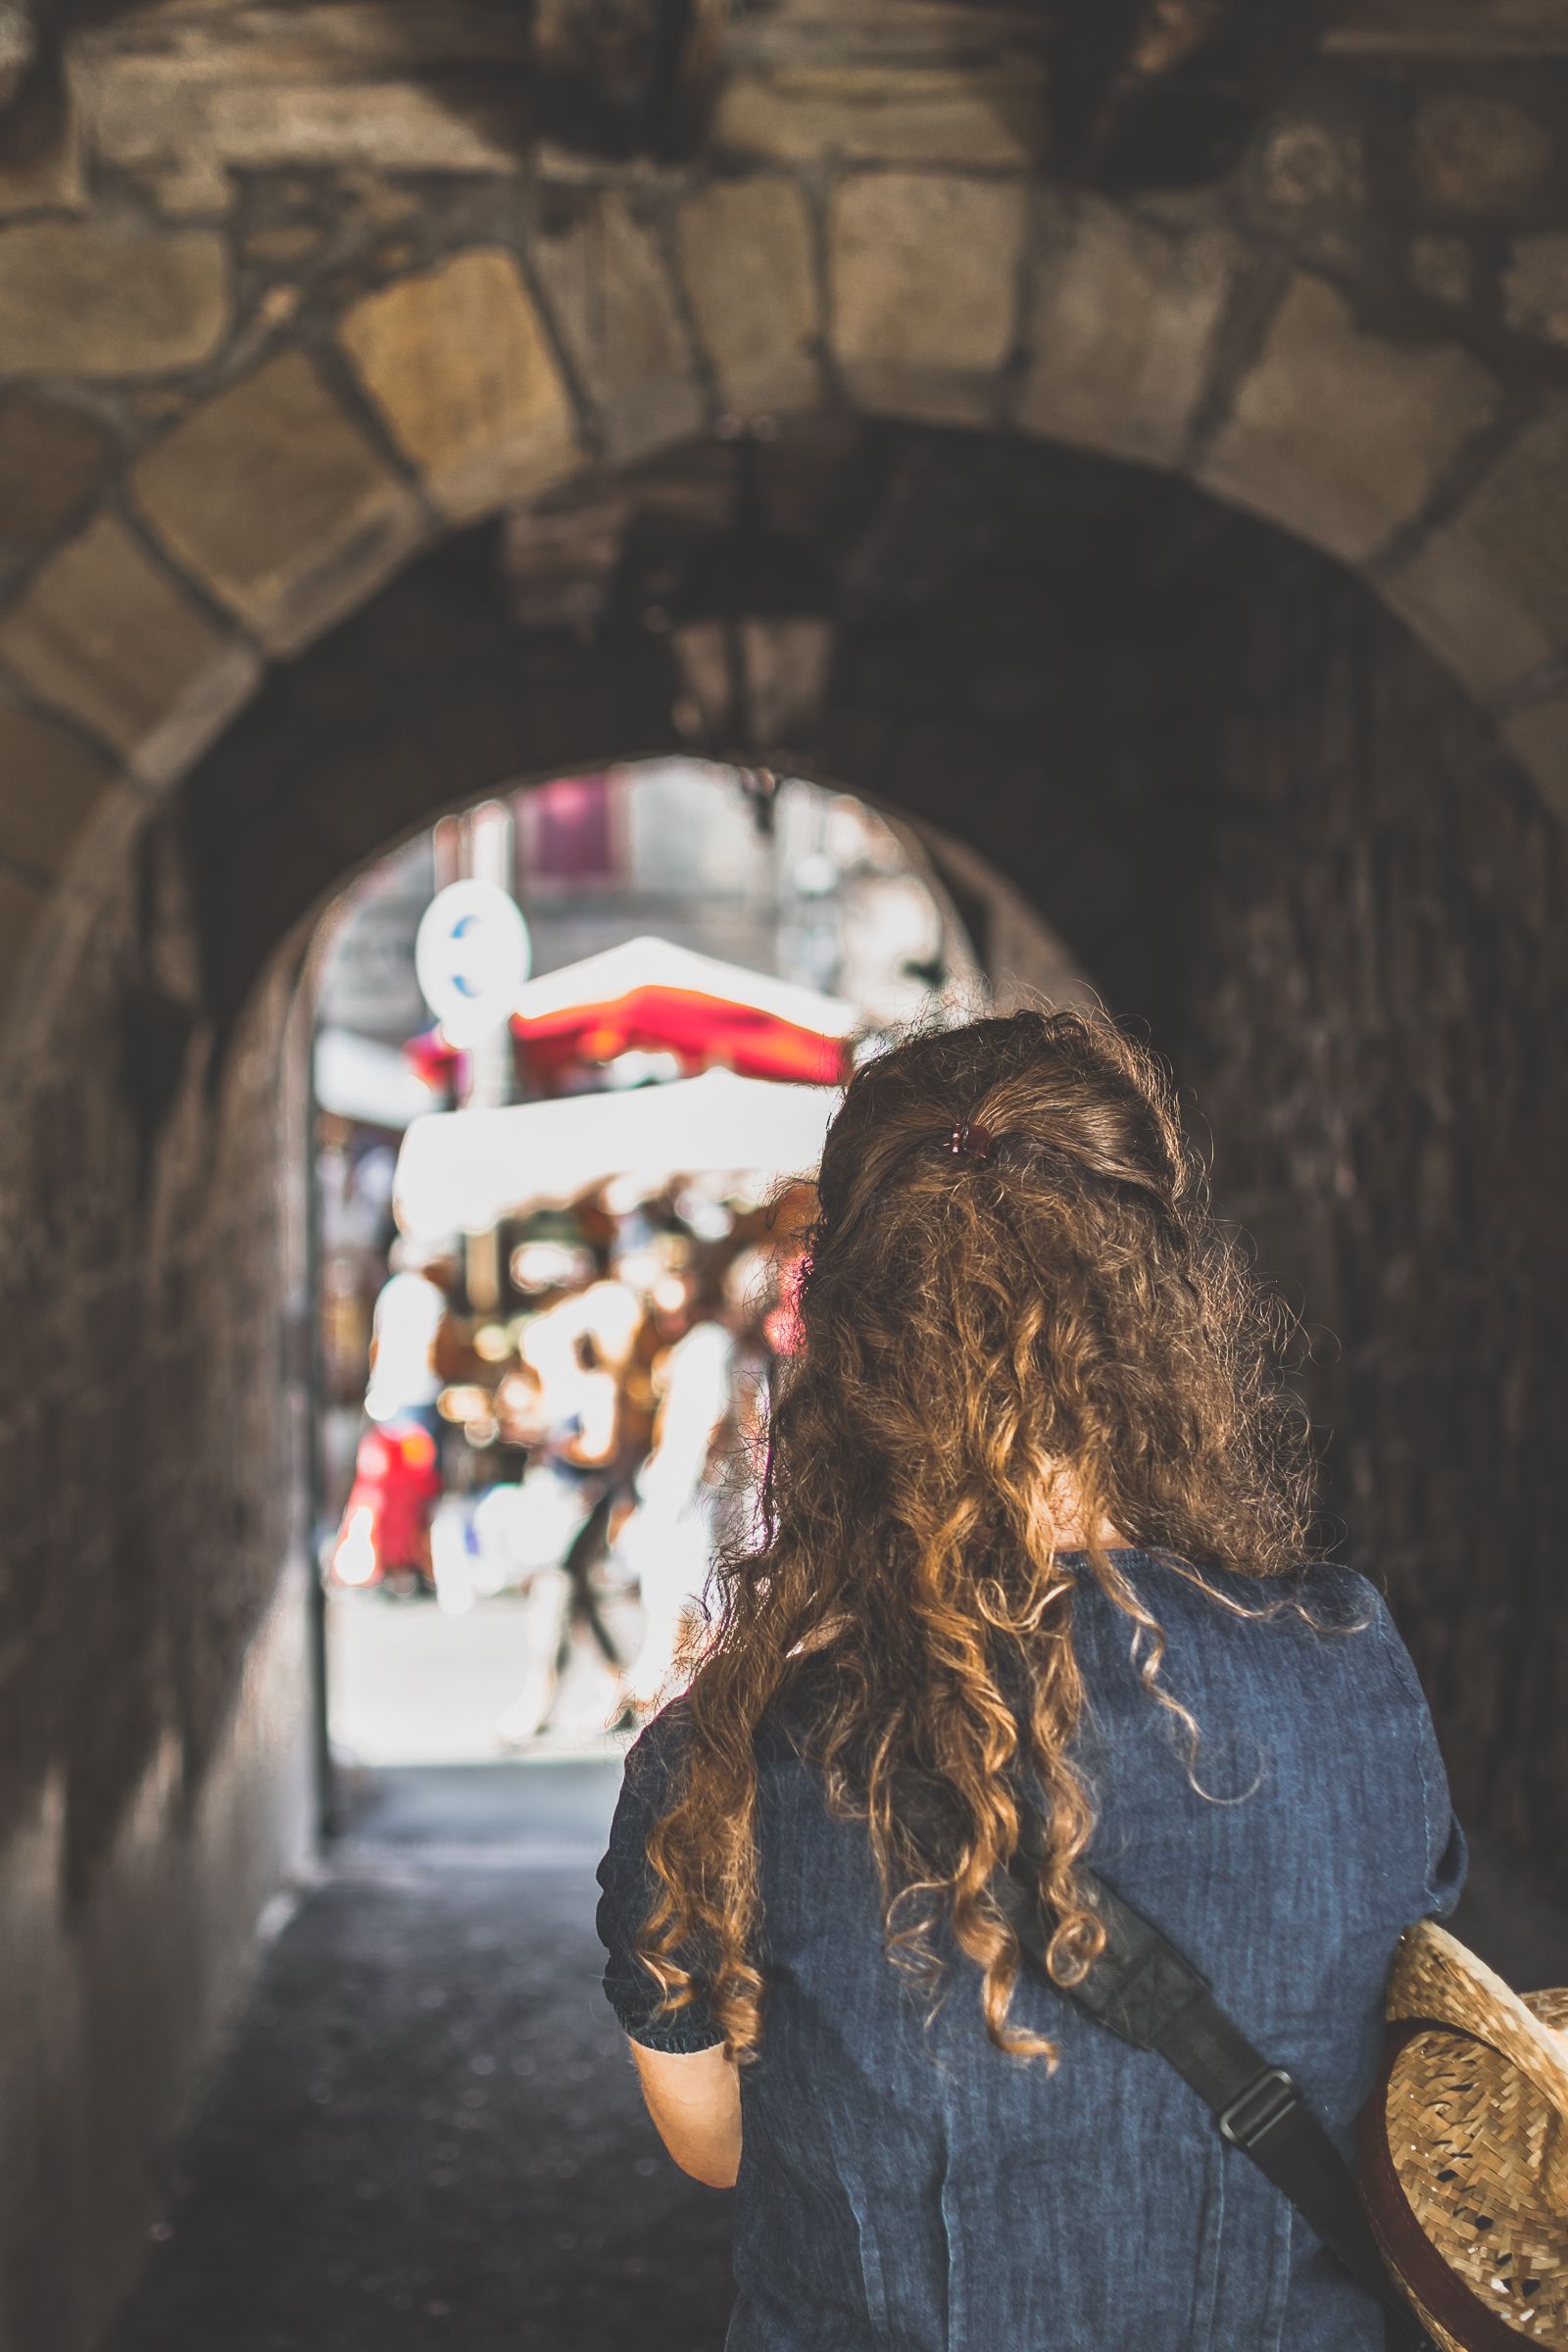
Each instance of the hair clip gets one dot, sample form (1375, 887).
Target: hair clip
(971, 1141)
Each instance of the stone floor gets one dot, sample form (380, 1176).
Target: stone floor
(426, 2131)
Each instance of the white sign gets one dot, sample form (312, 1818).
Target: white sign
(471, 956)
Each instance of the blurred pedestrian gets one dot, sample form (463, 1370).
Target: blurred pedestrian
(667, 1542)
(574, 1355)
(405, 1330)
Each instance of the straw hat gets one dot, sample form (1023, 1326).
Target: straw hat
(1464, 2149)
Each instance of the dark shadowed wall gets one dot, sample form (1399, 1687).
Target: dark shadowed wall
(153, 1648)
(1368, 913)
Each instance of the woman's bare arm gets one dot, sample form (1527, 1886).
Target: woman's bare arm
(695, 2100)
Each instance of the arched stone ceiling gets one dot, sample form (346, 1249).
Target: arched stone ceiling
(982, 592)
(250, 387)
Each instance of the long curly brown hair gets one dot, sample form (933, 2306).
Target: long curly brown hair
(1056, 1297)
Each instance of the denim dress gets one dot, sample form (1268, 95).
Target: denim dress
(904, 2185)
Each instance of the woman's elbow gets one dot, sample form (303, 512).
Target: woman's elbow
(720, 2174)
(694, 2101)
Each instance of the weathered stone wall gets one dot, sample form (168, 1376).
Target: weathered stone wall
(1370, 954)
(1286, 841)
(155, 1782)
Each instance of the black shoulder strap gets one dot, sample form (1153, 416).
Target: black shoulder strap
(1148, 1993)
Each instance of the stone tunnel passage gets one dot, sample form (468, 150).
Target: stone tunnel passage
(283, 308)
(1277, 832)
(426, 2129)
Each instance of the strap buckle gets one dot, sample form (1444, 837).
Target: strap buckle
(1252, 2114)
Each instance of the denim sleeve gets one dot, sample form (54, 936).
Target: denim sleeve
(1447, 1857)
(627, 1898)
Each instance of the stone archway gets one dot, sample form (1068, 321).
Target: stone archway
(291, 394)
(1234, 786)
(281, 497)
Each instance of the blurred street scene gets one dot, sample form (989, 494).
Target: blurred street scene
(562, 1211)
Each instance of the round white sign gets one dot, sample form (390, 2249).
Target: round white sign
(471, 956)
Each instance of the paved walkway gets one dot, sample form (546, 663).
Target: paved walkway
(409, 1684)
(427, 2131)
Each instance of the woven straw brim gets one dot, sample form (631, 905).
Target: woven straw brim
(1477, 2121)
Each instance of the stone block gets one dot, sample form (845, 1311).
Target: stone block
(102, 297)
(275, 500)
(613, 306)
(459, 367)
(1307, 164)
(197, 41)
(1535, 286)
(1538, 738)
(925, 275)
(1471, 153)
(105, 635)
(1490, 589)
(138, 114)
(1339, 435)
(1309, 181)
(402, 125)
(887, 112)
(746, 254)
(1121, 328)
(51, 458)
(50, 783)
(149, 110)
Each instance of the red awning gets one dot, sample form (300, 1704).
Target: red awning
(706, 1032)
(649, 996)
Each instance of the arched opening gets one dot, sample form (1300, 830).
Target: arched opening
(1233, 785)
(682, 919)
(449, 1847)
(1238, 790)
